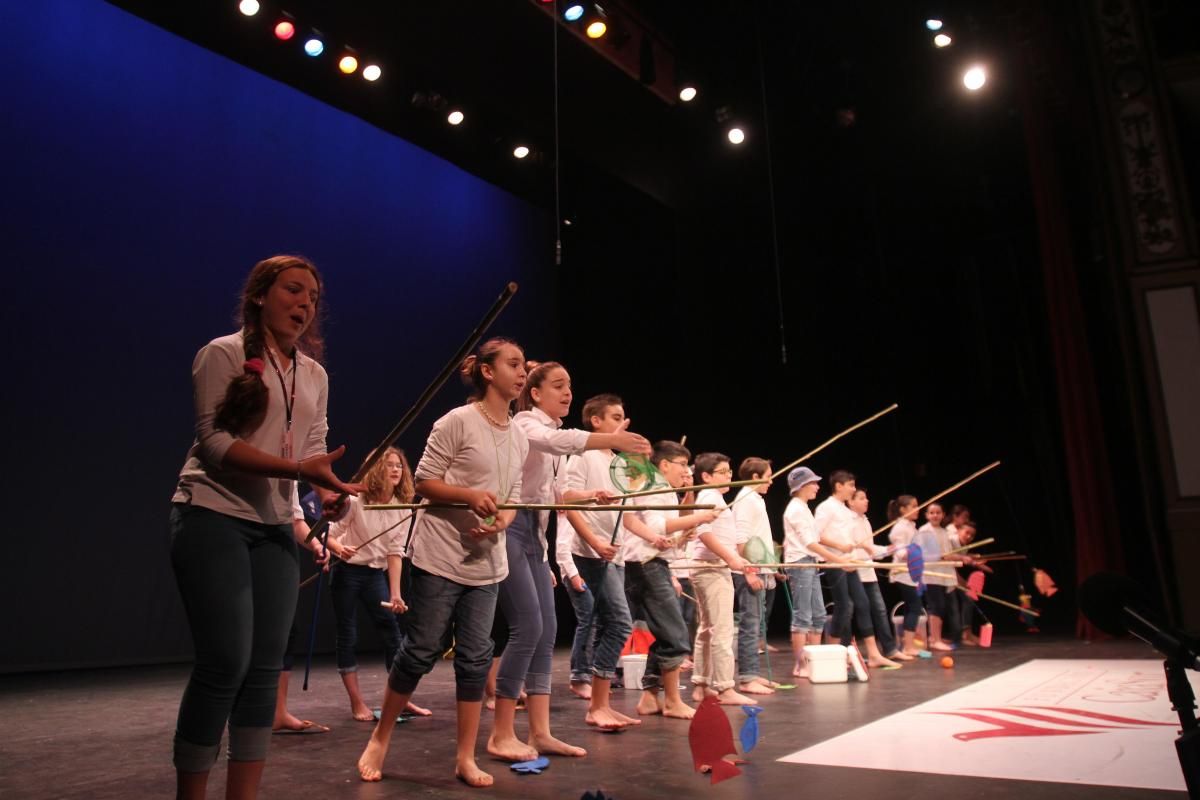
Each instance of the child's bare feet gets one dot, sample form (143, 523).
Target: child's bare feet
(680, 710)
(370, 763)
(700, 692)
(605, 719)
(881, 662)
(729, 697)
(469, 773)
(625, 719)
(548, 745)
(754, 687)
(420, 711)
(650, 703)
(939, 646)
(362, 713)
(581, 690)
(900, 655)
(510, 749)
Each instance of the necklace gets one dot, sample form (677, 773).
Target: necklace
(503, 470)
(483, 410)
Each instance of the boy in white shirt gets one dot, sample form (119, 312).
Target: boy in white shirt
(836, 527)
(753, 537)
(717, 543)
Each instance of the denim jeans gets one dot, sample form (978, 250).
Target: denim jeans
(879, 618)
(441, 609)
(749, 626)
(610, 613)
(808, 603)
(687, 607)
(912, 605)
(349, 584)
(238, 582)
(583, 645)
(650, 584)
(527, 597)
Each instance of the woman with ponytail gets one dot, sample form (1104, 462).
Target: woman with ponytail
(260, 397)
(903, 510)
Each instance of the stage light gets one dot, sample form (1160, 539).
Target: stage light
(974, 78)
(248, 7)
(596, 29)
(314, 47)
(284, 30)
(372, 72)
(933, 24)
(456, 117)
(573, 12)
(736, 135)
(687, 94)
(348, 65)
(942, 40)
(520, 151)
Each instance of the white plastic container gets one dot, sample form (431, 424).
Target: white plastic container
(827, 663)
(633, 667)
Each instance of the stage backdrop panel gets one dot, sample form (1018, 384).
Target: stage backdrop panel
(1104, 723)
(144, 176)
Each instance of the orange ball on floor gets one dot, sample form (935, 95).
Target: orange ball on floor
(947, 662)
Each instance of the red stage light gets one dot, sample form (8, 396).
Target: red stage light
(284, 30)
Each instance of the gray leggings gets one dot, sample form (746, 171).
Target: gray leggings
(238, 581)
(527, 600)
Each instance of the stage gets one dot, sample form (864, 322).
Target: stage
(107, 734)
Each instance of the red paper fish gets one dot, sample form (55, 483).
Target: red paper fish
(1044, 583)
(711, 738)
(975, 585)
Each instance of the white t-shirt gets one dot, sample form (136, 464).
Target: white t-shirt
(637, 550)
(933, 542)
(750, 516)
(464, 449)
(723, 528)
(835, 521)
(901, 535)
(586, 472)
(799, 531)
(543, 475)
(869, 550)
(360, 526)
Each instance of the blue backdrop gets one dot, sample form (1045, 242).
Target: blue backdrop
(144, 176)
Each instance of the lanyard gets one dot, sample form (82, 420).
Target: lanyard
(289, 401)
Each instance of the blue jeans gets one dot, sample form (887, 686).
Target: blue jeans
(879, 618)
(687, 608)
(527, 597)
(650, 584)
(808, 603)
(912, 605)
(749, 605)
(349, 584)
(583, 646)
(441, 609)
(610, 613)
(238, 580)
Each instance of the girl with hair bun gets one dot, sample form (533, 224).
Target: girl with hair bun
(260, 398)
(473, 456)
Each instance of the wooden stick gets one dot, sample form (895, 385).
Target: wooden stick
(942, 494)
(417, 407)
(970, 546)
(1013, 557)
(963, 587)
(540, 507)
(690, 488)
(784, 469)
(814, 565)
(333, 557)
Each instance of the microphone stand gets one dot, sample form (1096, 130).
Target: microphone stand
(1183, 703)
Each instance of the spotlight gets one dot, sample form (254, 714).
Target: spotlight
(248, 7)
(372, 72)
(736, 135)
(456, 117)
(942, 40)
(573, 12)
(974, 78)
(284, 30)
(687, 94)
(314, 47)
(348, 65)
(596, 29)
(933, 24)
(520, 151)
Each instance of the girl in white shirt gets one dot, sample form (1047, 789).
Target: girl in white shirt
(473, 456)
(934, 541)
(904, 509)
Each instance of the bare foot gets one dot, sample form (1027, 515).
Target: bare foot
(940, 646)
(625, 719)
(420, 711)
(770, 684)
(362, 713)
(912, 654)
(680, 710)
(490, 703)
(800, 671)
(581, 690)
(650, 703)
(548, 745)
(754, 687)
(700, 692)
(290, 724)
(370, 763)
(731, 698)
(881, 662)
(900, 655)
(772, 648)
(510, 749)
(604, 719)
(469, 773)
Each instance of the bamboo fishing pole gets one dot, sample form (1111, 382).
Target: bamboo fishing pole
(940, 495)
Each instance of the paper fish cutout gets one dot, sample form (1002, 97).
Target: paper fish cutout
(975, 584)
(916, 566)
(533, 767)
(749, 732)
(711, 738)
(1044, 583)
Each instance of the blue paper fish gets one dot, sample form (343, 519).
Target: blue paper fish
(749, 732)
(533, 767)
